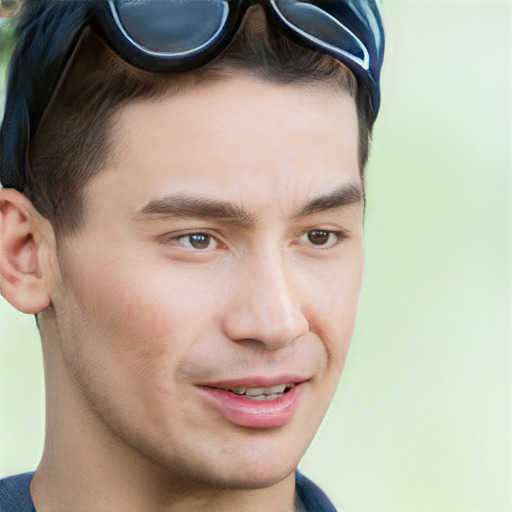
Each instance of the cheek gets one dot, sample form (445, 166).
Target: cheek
(332, 306)
(129, 319)
(129, 327)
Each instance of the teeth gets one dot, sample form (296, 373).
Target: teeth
(276, 389)
(265, 397)
(262, 391)
(254, 391)
(258, 397)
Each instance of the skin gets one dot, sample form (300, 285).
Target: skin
(134, 317)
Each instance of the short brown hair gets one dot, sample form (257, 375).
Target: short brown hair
(74, 138)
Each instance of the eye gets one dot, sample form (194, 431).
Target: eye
(197, 241)
(321, 238)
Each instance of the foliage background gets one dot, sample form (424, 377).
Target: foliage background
(422, 419)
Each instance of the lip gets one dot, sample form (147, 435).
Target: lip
(246, 412)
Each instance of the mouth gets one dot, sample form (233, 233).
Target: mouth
(259, 393)
(255, 404)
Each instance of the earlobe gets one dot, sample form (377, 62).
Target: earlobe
(22, 241)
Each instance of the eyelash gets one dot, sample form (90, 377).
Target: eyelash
(339, 235)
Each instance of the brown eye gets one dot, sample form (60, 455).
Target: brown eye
(197, 241)
(322, 238)
(200, 241)
(318, 237)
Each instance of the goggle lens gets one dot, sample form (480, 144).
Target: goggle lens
(171, 28)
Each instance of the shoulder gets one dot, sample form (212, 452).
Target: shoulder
(15, 493)
(311, 498)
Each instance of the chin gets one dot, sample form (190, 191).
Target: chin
(247, 479)
(253, 470)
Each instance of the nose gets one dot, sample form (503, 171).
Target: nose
(264, 305)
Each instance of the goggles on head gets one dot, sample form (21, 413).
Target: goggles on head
(167, 36)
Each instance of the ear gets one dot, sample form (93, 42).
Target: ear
(25, 240)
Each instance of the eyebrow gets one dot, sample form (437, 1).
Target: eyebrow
(343, 196)
(186, 206)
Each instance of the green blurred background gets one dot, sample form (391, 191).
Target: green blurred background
(422, 419)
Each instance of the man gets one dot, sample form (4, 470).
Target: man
(182, 211)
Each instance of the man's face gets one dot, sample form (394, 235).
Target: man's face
(223, 249)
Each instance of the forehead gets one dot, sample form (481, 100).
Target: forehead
(239, 136)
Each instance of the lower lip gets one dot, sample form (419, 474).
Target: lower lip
(246, 412)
